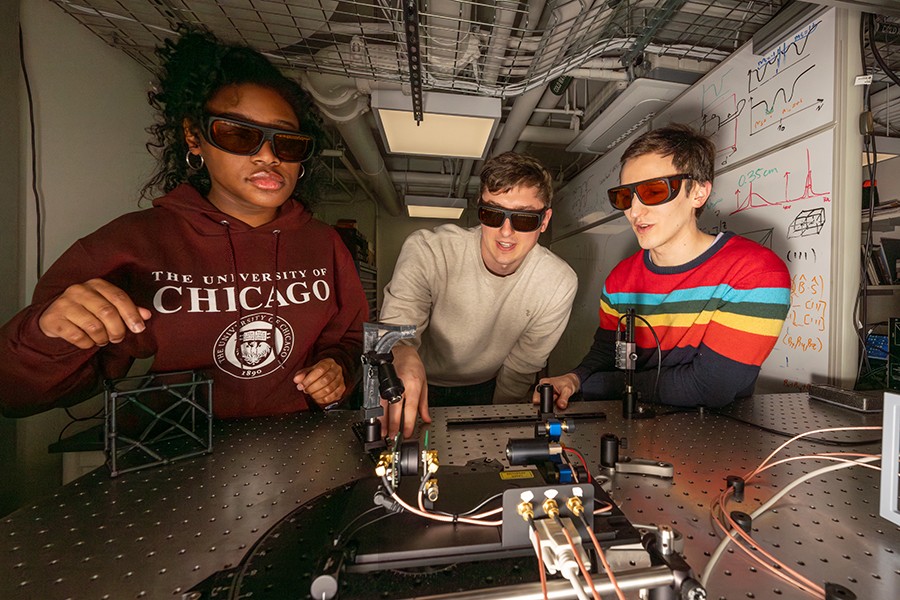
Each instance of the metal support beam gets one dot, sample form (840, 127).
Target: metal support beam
(660, 16)
(413, 55)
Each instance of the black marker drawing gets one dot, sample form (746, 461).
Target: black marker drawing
(808, 222)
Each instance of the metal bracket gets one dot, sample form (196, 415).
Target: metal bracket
(378, 340)
(414, 56)
(643, 466)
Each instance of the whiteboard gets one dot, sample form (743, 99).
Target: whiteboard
(592, 254)
(583, 201)
(750, 104)
(783, 201)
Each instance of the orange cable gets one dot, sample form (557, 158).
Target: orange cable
(612, 578)
(540, 557)
(801, 582)
(584, 570)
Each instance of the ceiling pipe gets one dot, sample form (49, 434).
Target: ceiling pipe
(535, 11)
(411, 178)
(548, 98)
(448, 38)
(524, 106)
(344, 106)
(446, 19)
(342, 102)
(463, 180)
(504, 20)
(360, 140)
(598, 74)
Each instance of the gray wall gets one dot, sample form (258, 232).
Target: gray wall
(90, 113)
(384, 232)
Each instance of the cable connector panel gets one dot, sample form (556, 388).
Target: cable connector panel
(539, 503)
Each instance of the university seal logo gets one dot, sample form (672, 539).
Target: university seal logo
(254, 346)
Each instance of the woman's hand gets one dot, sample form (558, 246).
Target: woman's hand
(93, 313)
(323, 382)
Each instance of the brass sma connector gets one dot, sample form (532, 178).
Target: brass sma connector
(431, 490)
(575, 505)
(430, 459)
(384, 464)
(551, 508)
(525, 510)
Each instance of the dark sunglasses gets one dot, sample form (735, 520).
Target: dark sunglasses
(246, 139)
(520, 220)
(650, 192)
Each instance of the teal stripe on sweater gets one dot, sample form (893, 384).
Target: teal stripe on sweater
(763, 295)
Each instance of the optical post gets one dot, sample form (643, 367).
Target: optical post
(626, 359)
(379, 377)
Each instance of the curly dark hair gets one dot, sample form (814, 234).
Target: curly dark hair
(193, 69)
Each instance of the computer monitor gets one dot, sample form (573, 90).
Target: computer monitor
(890, 459)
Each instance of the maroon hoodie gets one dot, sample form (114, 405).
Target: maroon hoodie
(250, 306)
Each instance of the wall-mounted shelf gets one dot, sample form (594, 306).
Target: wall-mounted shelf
(882, 289)
(883, 220)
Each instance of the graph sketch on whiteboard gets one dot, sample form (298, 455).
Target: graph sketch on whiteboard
(714, 121)
(808, 222)
(793, 97)
(784, 105)
(780, 60)
(752, 199)
(751, 103)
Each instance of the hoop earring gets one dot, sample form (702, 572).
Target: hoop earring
(302, 172)
(192, 166)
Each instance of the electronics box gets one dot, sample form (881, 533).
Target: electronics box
(889, 505)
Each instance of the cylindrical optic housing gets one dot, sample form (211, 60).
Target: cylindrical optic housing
(530, 451)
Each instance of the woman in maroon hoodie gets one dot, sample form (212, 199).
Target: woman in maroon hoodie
(227, 272)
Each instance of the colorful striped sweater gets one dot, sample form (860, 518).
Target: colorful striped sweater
(717, 318)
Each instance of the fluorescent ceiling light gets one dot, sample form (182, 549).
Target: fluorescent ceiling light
(434, 207)
(454, 125)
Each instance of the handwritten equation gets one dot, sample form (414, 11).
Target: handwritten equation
(808, 316)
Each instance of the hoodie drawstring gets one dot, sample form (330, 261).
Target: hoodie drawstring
(277, 233)
(237, 281)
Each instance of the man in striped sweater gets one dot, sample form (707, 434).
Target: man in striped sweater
(716, 303)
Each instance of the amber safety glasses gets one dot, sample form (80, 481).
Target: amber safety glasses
(246, 139)
(520, 220)
(650, 192)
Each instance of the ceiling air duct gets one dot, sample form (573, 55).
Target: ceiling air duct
(637, 104)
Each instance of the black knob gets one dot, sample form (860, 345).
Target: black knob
(736, 482)
(373, 430)
(609, 450)
(743, 520)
